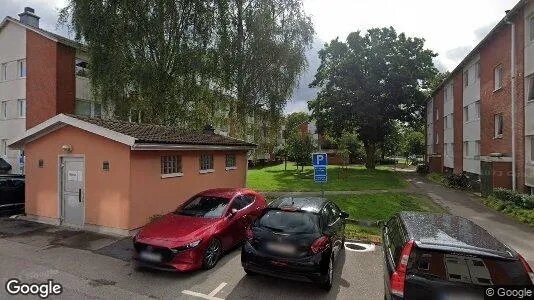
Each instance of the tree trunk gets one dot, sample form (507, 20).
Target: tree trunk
(285, 164)
(370, 152)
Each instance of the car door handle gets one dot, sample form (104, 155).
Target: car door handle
(80, 195)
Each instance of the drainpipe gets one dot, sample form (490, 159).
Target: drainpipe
(513, 94)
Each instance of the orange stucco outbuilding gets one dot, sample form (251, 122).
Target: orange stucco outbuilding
(112, 176)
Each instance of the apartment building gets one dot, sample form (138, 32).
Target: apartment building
(480, 120)
(41, 75)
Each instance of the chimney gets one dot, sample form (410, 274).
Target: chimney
(29, 17)
(208, 129)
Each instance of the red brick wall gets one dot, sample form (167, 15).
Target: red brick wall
(458, 122)
(66, 79)
(50, 81)
(496, 52)
(438, 125)
(502, 175)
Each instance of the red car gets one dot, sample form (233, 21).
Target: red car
(199, 231)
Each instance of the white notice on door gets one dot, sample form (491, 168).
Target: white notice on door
(72, 176)
(80, 176)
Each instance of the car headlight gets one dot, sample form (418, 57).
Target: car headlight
(186, 246)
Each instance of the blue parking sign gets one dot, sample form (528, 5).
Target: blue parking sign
(319, 159)
(320, 174)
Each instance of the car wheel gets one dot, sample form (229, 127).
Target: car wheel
(212, 254)
(249, 272)
(327, 285)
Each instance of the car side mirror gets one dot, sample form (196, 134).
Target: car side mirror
(232, 212)
(344, 214)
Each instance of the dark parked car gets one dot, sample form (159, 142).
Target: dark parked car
(199, 231)
(11, 194)
(440, 256)
(296, 238)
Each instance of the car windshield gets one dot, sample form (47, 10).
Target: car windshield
(204, 206)
(289, 222)
(470, 269)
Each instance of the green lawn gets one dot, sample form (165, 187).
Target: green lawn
(354, 178)
(379, 207)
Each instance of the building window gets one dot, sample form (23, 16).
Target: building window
(466, 149)
(87, 108)
(499, 72)
(171, 165)
(81, 68)
(22, 108)
(466, 78)
(437, 138)
(206, 162)
(437, 113)
(4, 72)
(477, 110)
(477, 149)
(231, 161)
(4, 110)
(532, 148)
(3, 147)
(499, 125)
(22, 68)
(530, 89)
(477, 69)
(466, 114)
(531, 28)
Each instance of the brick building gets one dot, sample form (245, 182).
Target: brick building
(480, 120)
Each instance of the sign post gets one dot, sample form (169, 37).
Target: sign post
(320, 162)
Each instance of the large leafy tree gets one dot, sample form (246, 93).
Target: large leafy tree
(370, 81)
(293, 120)
(176, 60)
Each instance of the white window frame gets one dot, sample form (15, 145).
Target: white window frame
(477, 70)
(498, 119)
(532, 149)
(3, 147)
(466, 149)
(22, 68)
(477, 149)
(4, 71)
(498, 77)
(171, 166)
(93, 107)
(466, 77)
(466, 113)
(530, 88)
(231, 166)
(3, 110)
(477, 110)
(21, 105)
(531, 28)
(206, 163)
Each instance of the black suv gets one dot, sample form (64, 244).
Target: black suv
(441, 256)
(296, 238)
(11, 193)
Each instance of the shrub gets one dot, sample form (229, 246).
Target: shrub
(513, 198)
(457, 181)
(423, 169)
(387, 161)
(528, 202)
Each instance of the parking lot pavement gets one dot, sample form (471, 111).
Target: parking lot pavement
(87, 274)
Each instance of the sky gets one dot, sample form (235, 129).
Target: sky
(451, 28)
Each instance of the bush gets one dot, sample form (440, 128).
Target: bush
(458, 181)
(423, 169)
(387, 161)
(513, 198)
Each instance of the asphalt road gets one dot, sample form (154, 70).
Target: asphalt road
(88, 275)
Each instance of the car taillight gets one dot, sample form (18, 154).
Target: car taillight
(319, 244)
(398, 277)
(250, 234)
(527, 268)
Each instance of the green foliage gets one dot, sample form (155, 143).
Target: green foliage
(300, 148)
(414, 143)
(523, 215)
(369, 81)
(437, 81)
(176, 60)
(351, 142)
(514, 198)
(293, 120)
(437, 178)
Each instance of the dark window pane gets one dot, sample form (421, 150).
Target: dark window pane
(204, 206)
(290, 222)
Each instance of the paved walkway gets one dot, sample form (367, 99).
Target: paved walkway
(517, 235)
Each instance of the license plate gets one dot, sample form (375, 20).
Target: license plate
(149, 256)
(282, 248)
